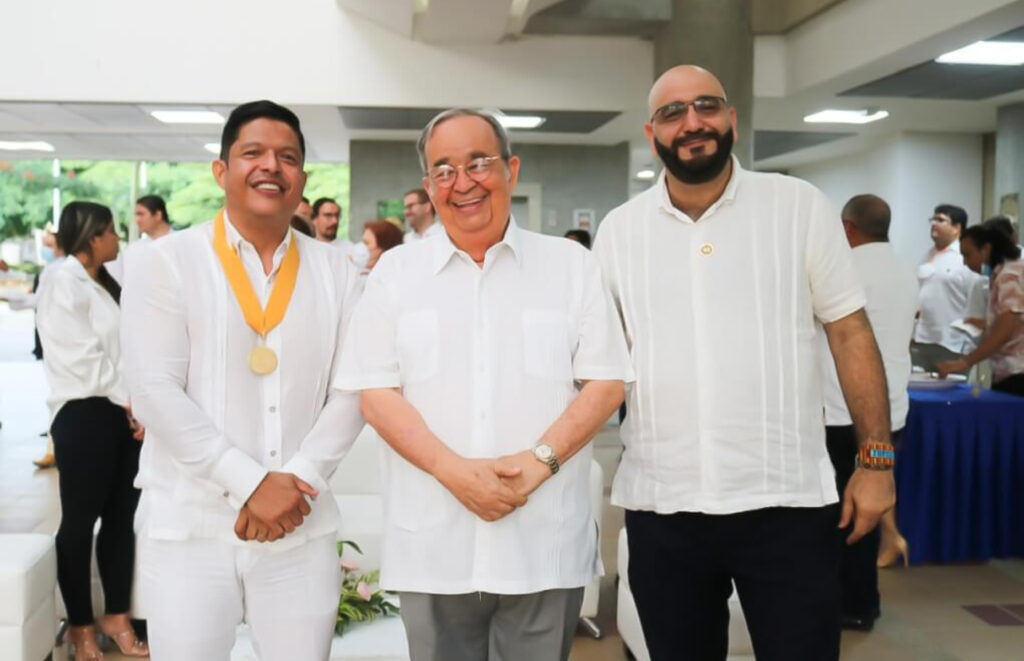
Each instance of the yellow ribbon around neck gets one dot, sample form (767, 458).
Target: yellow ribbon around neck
(259, 319)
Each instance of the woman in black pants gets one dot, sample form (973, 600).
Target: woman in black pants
(97, 451)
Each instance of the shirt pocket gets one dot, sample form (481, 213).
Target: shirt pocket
(547, 353)
(419, 345)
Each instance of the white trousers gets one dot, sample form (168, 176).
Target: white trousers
(196, 593)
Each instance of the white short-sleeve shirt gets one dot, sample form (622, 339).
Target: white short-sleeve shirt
(944, 287)
(891, 290)
(726, 412)
(490, 357)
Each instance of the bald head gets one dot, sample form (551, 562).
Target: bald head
(683, 83)
(870, 215)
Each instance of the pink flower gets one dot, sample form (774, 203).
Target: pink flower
(364, 591)
(349, 565)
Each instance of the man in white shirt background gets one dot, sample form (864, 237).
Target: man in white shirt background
(419, 216)
(325, 219)
(944, 288)
(719, 275)
(890, 288)
(231, 333)
(487, 358)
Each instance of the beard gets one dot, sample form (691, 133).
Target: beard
(699, 169)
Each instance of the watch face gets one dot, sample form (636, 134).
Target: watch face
(542, 452)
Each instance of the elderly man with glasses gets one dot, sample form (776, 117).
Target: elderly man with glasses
(719, 275)
(487, 356)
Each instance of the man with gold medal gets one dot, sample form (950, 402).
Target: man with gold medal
(243, 321)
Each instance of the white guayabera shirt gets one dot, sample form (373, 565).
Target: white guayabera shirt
(719, 312)
(213, 427)
(490, 358)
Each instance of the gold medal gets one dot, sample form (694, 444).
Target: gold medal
(262, 360)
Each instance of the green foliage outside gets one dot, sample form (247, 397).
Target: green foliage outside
(191, 193)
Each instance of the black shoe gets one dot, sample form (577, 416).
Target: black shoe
(858, 623)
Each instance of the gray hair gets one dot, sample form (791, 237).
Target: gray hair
(504, 145)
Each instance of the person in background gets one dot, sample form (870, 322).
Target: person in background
(945, 285)
(153, 223)
(990, 252)
(92, 429)
(891, 291)
(300, 224)
(304, 210)
(419, 216)
(581, 237)
(379, 236)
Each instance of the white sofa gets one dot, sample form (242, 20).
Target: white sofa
(28, 579)
(628, 621)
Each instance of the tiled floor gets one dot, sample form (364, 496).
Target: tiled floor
(923, 618)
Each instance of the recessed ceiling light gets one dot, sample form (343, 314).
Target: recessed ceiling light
(521, 121)
(846, 116)
(646, 174)
(25, 146)
(997, 53)
(188, 116)
(212, 147)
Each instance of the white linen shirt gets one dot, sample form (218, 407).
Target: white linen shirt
(78, 323)
(433, 229)
(489, 358)
(726, 412)
(945, 284)
(213, 427)
(890, 286)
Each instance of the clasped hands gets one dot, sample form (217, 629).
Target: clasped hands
(277, 507)
(492, 488)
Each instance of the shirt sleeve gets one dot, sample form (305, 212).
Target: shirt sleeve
(71, 342)
(155, 355)
(1009, 292)
(369, 356)
(601, 352)
(340, 421)
(836, 291)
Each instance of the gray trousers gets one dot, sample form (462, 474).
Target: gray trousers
(480, 626)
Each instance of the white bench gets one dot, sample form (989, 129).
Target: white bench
(28, 613)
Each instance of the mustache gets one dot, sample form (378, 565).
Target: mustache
(696, 136)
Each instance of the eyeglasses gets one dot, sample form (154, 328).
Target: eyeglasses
(477, 169)
(705, 106)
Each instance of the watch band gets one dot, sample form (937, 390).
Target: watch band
(876, 456)
(544, 454)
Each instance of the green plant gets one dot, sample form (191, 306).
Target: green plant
(360, 600)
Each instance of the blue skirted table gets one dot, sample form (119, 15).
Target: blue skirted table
(960, 476)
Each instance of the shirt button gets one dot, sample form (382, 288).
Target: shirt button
(273, 409)
(227, 494)
(707, 249)
(273, 453)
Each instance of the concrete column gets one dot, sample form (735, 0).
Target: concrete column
(1009, 169)
(716, 35)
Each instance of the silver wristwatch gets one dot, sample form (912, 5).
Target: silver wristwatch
(546, 455)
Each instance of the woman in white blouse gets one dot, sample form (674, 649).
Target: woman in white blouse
(96, 447)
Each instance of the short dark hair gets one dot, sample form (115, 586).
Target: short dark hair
(580, 236)
(154, 203)
(251, 111)
(305, 199)
(870, 214)
(320, 202)
(1002, 248)
(1001, 224)
(956, 215)
(300, 224)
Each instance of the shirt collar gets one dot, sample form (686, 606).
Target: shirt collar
(238, 242)
(444, 249)
(728, 195)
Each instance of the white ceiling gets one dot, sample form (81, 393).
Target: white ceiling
(391, 53)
